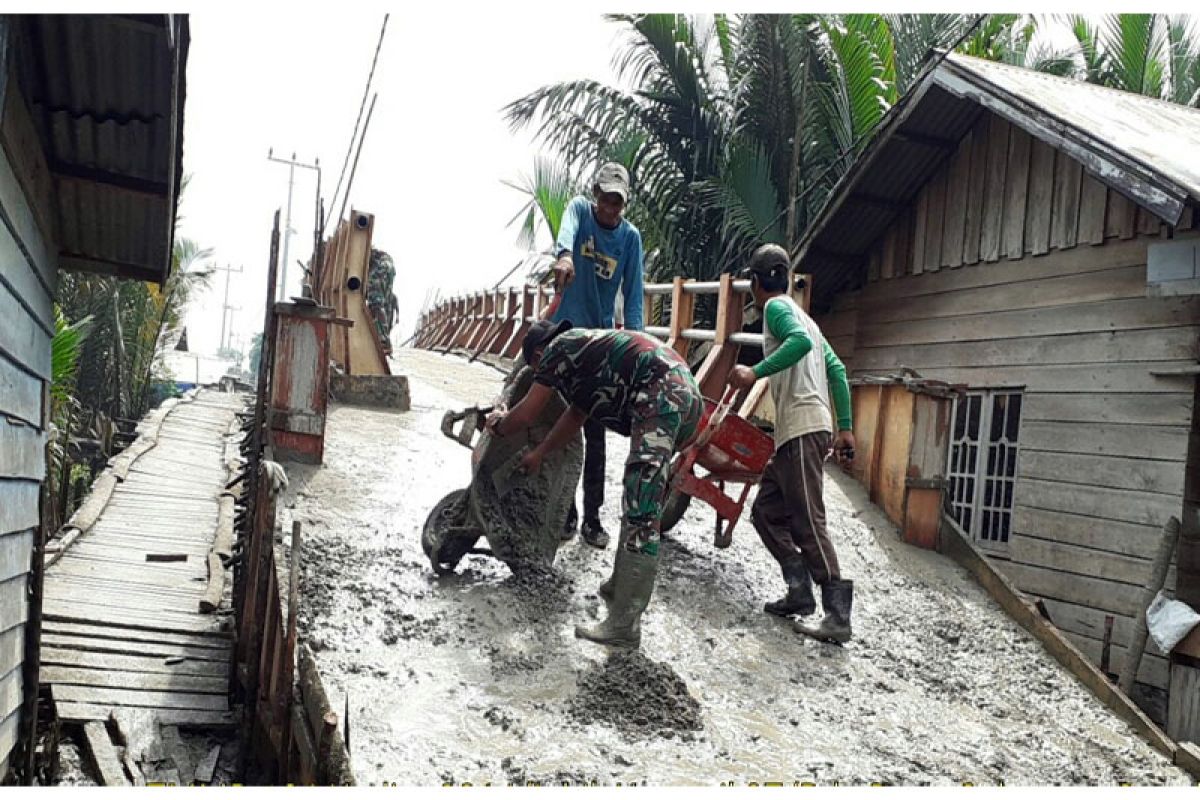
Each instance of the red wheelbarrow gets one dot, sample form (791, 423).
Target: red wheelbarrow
(732, 451)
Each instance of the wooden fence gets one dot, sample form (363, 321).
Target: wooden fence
(494, 323)
(288, 727)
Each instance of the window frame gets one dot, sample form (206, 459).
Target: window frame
(981, 474)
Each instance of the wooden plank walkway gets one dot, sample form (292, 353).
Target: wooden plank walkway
(121, 620)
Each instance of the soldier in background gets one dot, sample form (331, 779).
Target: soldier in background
(380, 277)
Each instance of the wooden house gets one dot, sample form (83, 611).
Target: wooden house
(1036, 239)
(90, 166)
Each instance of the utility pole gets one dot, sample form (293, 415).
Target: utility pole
(225, 307)
(287, 221)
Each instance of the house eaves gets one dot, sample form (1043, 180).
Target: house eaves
(1140, 147)
(105, 93)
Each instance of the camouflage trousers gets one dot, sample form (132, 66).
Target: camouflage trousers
(379, 317)
(665, 418)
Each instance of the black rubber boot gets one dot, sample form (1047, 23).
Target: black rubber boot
(799, 598)
(593, 533)
(568, 531)
(837, 598)
(632, 589)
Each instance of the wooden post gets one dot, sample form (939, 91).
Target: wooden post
(523, 316)
(289, 659)
(33, 638)
(1187, 582)
(682, 309)
(1158, 576)
(723, 355)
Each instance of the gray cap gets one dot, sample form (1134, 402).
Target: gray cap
(612, 177)
(769, 259)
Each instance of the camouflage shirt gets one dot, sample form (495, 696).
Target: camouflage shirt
(380, 277)
(607, 372)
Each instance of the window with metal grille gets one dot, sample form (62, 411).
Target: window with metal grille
(983, 463)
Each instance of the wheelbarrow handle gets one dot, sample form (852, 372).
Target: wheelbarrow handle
(474, 417)
(718, 416)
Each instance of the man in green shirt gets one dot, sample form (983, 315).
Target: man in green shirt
(789, 511)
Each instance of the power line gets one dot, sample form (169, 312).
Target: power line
(357, 153)
(361, 107)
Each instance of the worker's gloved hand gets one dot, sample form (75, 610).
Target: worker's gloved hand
(843, 448)
(741, 377)
(532, 462)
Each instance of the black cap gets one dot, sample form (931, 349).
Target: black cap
(540, 334)
(768, 260)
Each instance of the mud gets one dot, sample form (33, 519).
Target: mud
(73, 769)
(477, 677)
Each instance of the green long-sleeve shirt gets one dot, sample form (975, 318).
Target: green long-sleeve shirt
(795, 345)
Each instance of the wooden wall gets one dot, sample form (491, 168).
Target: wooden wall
(1012, 268)
(28, 269)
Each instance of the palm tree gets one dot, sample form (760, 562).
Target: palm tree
(1150, 54)
(736, 128)
(65, 348)
(131, 323)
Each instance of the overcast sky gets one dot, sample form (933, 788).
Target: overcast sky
(435, 153)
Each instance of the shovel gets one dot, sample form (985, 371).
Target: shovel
(509, 474)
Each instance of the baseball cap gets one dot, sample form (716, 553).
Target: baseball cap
(769, 259)
(540, 334)
(612, 177)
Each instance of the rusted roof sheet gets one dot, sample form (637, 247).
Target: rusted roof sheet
(106, 96)
(1141, 147)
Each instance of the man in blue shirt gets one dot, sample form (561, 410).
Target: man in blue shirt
(598, 251)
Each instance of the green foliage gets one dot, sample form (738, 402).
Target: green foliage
(548, 191)
(65, 348)
(131, 323)
(1150, 54)
(736, 128)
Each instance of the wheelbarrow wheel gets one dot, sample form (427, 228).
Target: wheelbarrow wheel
(447, 535)
(674, 508)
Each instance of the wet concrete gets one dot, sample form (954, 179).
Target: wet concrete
(477, 677)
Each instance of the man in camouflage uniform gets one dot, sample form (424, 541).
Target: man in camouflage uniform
(638, 387)
(380, 277)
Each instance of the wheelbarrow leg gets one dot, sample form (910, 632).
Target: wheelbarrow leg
(723, 539)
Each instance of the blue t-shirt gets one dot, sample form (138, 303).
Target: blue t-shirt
(604, 259)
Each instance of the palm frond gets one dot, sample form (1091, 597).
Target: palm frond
(1134, 48)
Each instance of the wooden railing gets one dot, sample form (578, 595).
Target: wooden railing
(495, 322)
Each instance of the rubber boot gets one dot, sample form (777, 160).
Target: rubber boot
(799, 598)
(606, 588)
(568, 531)
(594, 534)
(631, 594)
(837, 597)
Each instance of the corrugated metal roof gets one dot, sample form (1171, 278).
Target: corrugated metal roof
(1143, 148)
(106, 96)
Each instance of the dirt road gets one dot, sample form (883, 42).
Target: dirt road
(478, 678)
